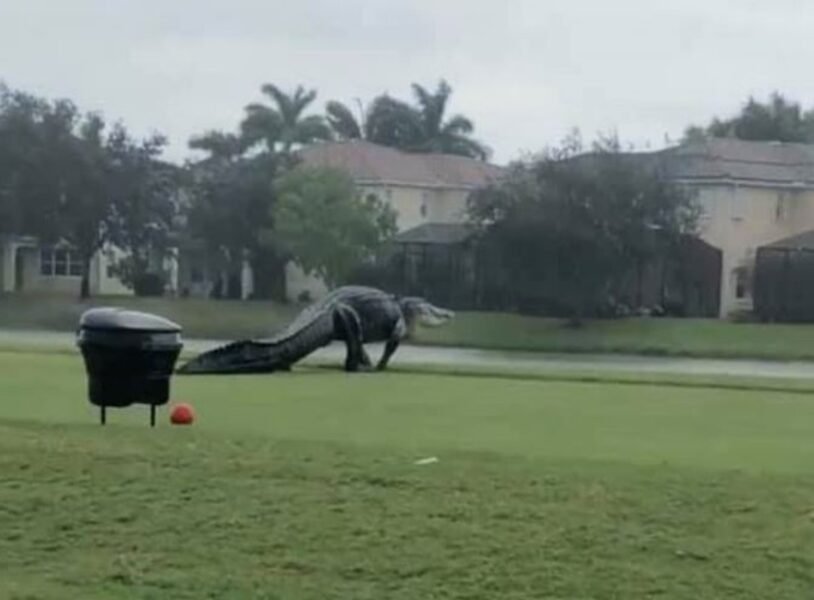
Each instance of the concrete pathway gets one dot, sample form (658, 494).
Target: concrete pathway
(463, 357)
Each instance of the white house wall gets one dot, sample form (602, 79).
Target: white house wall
(299, 284)
(101, 282)
(33, 281)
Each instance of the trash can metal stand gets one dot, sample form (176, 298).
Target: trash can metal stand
(129, 358)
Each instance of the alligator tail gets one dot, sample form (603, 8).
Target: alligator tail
(263, 355)
(244, 356)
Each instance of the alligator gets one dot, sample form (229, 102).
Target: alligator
(355, 315)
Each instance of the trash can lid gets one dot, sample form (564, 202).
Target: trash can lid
(112, 318)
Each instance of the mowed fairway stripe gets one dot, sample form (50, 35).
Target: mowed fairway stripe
(428, 414)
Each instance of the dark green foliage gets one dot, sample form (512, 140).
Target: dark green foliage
(149, 285)
(566, 227)
(230, 209)
(146, 207)
(65, 177)
(778, 119)
(326, 225)
(251, 201)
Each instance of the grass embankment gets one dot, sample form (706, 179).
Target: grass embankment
(669, 337)
(303, 486)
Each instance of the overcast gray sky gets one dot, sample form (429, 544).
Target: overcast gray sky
(526, 71)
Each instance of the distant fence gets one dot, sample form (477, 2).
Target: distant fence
(784, 284)
(469, 276)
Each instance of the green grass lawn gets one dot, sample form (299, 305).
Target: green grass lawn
(675, 337)
(304, 486)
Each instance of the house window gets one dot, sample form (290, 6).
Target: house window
(781, 207)
(59, 262)
(741, 276)
(425, 200)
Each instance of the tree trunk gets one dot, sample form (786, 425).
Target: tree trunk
(269, 275)
(234, 285)
(84, 286)
(639, 284)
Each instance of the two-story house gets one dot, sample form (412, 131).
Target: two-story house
(752, 194)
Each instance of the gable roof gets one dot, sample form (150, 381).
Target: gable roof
(369, 163)
(768, 163)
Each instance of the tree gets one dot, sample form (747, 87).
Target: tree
(324, 223)
(387, 121)
(419, 128)
(20, 155)
(283, 126)
(66, 180)
(569, 224)
(144, 195)
(778, 119)
(220, 145)
(75, 198)
(230, 211)
(450, 136)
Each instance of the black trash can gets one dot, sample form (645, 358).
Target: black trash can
(129, 357)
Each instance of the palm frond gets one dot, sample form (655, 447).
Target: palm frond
(458, 125)
(391, 122)
(310, 129)
(261, 123)
(465, 146)
(290, 106)
(218, 144)
(283, 101)
(302, 99)
(342, 121)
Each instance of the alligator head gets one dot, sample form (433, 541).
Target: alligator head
(417, 311)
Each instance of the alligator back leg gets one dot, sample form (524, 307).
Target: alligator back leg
(349, 330)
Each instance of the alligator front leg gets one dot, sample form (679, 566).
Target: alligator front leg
(396, 336)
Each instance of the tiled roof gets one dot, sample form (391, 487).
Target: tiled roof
(435, 233)
(747, 161)
(371, 163)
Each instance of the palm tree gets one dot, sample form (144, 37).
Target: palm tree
(422, 128)
(344, 123)
(219, 145)
(283, 126)
(437, 135)
(387, 121)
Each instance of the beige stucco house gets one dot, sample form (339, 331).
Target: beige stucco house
(26, 265)
(421, 188)
(751, 194)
